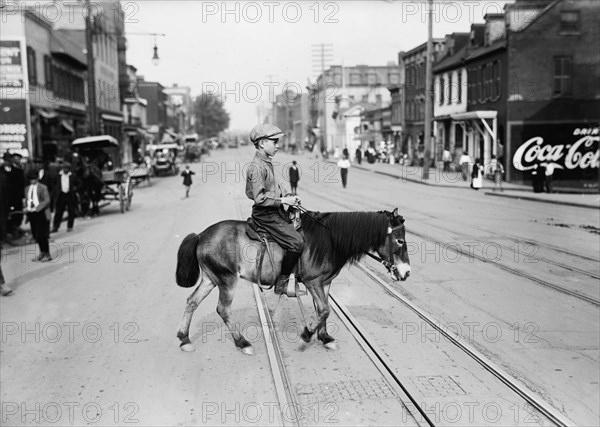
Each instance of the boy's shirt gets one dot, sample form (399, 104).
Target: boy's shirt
(262, 185)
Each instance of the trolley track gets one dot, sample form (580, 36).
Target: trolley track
(459, 251)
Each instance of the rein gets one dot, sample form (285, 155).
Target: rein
(391, 268)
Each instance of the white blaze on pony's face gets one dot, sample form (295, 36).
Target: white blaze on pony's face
(395, 250)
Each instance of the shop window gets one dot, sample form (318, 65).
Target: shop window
(562, 75)
(48, 72)
(31, 66)
(569, 22)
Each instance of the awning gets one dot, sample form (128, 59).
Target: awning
(112, 118)
(67, 126)
(101, 141)
(47, 114)
(470, 115)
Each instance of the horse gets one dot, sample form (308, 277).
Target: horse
(219, 257)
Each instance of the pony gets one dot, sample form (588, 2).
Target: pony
(219, 257)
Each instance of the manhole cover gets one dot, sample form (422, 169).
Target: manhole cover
(344, 390)
(437, 385)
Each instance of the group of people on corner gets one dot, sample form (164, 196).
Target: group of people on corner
(31, 192)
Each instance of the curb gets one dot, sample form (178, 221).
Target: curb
(534, 199)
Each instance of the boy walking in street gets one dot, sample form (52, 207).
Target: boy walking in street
(187, 179)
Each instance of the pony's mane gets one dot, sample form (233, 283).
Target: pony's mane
(348, 236)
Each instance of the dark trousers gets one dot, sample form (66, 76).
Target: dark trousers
(344, 172)
(548, 183)
(294, 187)
(40, 229)
(282, 231)
(64, 200)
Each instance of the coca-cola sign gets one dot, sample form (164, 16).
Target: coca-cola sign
(573, 149)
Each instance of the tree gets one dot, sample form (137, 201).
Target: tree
(211, 116)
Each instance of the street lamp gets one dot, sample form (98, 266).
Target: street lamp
(155, 58)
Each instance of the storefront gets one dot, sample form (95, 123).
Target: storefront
(571, 147)
(479, 134)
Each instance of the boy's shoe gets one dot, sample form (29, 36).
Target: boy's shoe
(281, 285)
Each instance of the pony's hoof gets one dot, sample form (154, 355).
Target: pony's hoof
(331, 345)
(249, 350)
(189, 347)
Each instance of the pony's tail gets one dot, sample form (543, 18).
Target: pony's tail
(188, 270)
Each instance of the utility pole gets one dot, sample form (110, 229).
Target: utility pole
(91, 71)
(428, 92)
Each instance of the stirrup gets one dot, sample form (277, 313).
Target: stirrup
(293, 288)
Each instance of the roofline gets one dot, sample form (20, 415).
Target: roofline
(421, 46)
(542, 13)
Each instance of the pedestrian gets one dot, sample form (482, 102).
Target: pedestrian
(464, 162)
(358, 155)
(344, 165)
(498, 171)
(538, 175)
(477, 175)
(265, 189)
(294, 173)
(446, 158)
(64, 195)
(15, 185)
(187, 179)
(549, 175)
(4, 288)
(37, 206)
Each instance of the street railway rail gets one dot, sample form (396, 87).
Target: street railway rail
(284, 385)
(452, 247)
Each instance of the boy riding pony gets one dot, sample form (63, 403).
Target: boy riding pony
(264, 188)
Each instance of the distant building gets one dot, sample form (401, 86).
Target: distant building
(180, 111)
(42, 93)
(553, 96)
(153, 93)
(413, 66)
(135, 119)
(356, 84)
(290, 112)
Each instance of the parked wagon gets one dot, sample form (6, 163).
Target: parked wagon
(104, 179)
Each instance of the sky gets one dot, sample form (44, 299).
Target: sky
(248, 51)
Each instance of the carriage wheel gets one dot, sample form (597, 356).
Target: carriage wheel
(129, 194)
(122, 197)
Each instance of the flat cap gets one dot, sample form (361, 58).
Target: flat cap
(265, 131)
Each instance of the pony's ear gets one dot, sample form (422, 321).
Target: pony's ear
(395, 212)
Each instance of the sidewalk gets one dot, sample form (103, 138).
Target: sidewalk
(438, 178)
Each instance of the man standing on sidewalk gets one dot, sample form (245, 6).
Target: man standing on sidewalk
(465, 161)
(64, 196)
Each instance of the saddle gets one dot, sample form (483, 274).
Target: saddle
(257, 233)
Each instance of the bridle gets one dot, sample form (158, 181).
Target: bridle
(389, 265)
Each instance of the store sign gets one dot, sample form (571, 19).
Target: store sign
(13, 126)
(11, 64)
(571, 148)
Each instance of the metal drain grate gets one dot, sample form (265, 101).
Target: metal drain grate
(374, 389)
(437, 385)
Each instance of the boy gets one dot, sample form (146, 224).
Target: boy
(263, 187)
(187, 179)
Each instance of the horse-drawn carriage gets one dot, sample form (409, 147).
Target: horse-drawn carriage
(102, 178)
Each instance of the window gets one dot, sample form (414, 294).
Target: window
(31, 66)
(442, 88)
(450, 88)
(569, 22)
(355, 79)
(562, 75)
(459, 87)
(378, 99)
(48, 72)
(496, 80)
(372, 79)
(394, 79)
